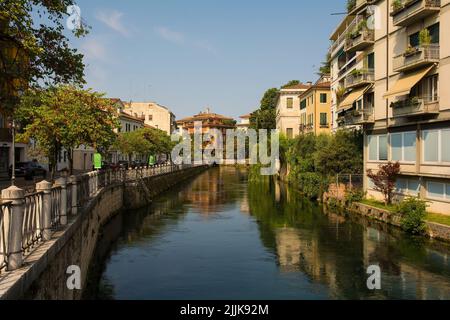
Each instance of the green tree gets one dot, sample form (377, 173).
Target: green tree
(34, 51)
(325, 68)
(291, 83)
(66, 117)
(341, 153)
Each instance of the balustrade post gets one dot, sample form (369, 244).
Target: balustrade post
(73, 201)
(46, 188)
(62, 182)
(15, 221)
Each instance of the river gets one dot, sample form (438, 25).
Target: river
(219, 236)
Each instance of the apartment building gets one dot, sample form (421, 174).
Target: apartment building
(390, 62)
(154, 115)
(288, 109)
(315, 108)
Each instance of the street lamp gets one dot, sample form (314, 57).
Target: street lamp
(12, 127)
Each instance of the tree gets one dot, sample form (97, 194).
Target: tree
(340, 153)
(290, 84)
(325, 68)
(67, 117)
(385, 179)
(34, 50)
(265, 116)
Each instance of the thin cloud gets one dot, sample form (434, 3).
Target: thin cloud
(179, 38)
(170, 35)
(94, 50)
(113, 19)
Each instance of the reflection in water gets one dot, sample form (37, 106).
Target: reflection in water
(219, 237)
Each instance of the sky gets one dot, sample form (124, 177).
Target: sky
(192, 54)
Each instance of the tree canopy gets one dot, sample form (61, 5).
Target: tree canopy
(34, 52)
(66, 117)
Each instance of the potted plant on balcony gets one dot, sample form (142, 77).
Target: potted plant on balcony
(397, 5)
(340, 92)
(351, 4)
(410, 50)
(424, 37)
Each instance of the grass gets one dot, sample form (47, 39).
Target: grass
(378, 204)
(431, 217)
(438, 218)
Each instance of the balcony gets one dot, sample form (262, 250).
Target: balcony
(417, 57)
(357, 117)
(407, 12)
(360, 40)
(353, 6)
(426, 105)
(5, 135)
(359, 78)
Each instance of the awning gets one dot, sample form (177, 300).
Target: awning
(353, 96)
(406, 82)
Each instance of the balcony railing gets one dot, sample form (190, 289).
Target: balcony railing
(5, 135)
(359, 41)
(426, 105)
(357, 117)
(417, 57)
(359, 78)
(411, 11)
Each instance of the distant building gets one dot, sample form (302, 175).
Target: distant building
(128, 123)
(288, 109)
(154, 115)
(315, 108)
(244, 123)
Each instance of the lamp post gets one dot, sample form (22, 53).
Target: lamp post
(12, 126)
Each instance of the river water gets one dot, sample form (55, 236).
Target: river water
(219, 236)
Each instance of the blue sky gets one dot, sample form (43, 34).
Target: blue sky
(189, 54)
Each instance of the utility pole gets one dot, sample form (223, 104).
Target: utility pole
(12, 125)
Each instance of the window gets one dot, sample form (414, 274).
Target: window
(382, 147)
(409, 187)
(434, 33)
(432, 84)
(414, 40)
(436, 190)
(150, 117)
(403, 146)
(436, 146)
(290, 133)
(371, 61)
(323, 119)
(303, 104)
(323, 98)
(290, 103)
(378, 147)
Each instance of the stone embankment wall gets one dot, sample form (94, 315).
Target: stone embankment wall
(44, 276)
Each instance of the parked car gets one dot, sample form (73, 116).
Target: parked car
(28, 170)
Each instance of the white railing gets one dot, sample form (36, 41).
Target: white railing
(28, 220)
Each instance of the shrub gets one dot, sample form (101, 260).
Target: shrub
(354, 195)
(334, 204)
(384, 180)
(413, 212)
(312, 184)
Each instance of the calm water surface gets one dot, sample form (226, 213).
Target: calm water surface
(221, 237)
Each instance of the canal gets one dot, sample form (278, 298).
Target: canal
(219, 236)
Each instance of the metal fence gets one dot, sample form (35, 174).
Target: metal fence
(32, 221)
(43, 212)
(342, 183)
(5, 209)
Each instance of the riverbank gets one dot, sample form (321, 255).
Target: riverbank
(434, 230)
